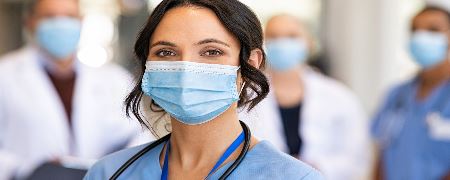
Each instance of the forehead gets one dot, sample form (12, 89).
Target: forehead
(191, 23)
(431, 16)
(284, 23)
(56, 7)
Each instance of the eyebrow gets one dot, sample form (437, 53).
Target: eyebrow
(163, 43)
(205, 41)
(212, 40)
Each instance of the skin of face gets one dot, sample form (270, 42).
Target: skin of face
(286, 26)
(196, 34)
(433, 21)
(45, 9)
(52, 8)
(198, 37)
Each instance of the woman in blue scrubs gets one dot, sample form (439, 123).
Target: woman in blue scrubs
(413, 126)
(200, 61)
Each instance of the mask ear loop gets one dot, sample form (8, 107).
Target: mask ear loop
(243, 84)
(242, 88)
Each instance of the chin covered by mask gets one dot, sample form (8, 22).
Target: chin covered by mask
(192, 93)
(286, 53)
(59, 36)
(428, 48)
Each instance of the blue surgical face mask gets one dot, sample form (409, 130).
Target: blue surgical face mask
(286, 53)
(59, 36)
(428, 48)
(192, 93)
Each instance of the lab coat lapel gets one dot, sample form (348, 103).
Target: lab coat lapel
(315, 114)
(271, 111)
(84, 101)
(44, 104)
(95, 114)
(307, 113)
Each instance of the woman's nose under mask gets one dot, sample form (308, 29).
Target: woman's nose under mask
(192, 93)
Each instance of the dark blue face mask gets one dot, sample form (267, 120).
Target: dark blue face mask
(192, 93)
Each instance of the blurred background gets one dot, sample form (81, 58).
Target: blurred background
(361, 43)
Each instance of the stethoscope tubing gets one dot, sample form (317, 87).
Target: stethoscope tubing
(151, 146)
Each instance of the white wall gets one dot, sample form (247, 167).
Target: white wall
(366, 41)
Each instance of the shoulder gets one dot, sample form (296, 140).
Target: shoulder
(326, 85)
(15, 54)
(109, 70)
(392, 99)
(12, 60)
(266, 162)
(15, 63)
(320, 89)
(393, 94)
(396, 89)
(109, 76)
(108, 165)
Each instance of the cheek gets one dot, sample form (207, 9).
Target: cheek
(234, 58)
(32, 24)
(236, 61)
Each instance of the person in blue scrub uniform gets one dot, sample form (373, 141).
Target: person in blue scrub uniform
(200, 62)
(413, 126)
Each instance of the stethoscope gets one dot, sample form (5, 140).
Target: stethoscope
(151, 146)
(393, 127)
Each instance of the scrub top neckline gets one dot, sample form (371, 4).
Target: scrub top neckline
(159, 148)
(432, 98)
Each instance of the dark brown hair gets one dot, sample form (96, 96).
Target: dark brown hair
(433, 8)
(238, 19)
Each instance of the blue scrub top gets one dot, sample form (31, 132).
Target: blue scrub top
(263, 161)
(410, 134)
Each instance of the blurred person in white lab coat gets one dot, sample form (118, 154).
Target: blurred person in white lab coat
(308, 115)
(52, 107)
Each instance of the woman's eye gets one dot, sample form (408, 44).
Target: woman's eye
(165, 53)
(212, 53)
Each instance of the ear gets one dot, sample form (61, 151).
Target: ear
(256, 58)
(30, 24)
(448, 37)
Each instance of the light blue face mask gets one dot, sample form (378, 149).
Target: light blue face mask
(428, 48)
(193, 93)
(59, 36)
(286, 53)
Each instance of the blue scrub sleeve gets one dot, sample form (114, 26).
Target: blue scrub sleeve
(94, 173)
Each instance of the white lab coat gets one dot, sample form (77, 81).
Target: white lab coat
(334, 128)
(33, 124)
